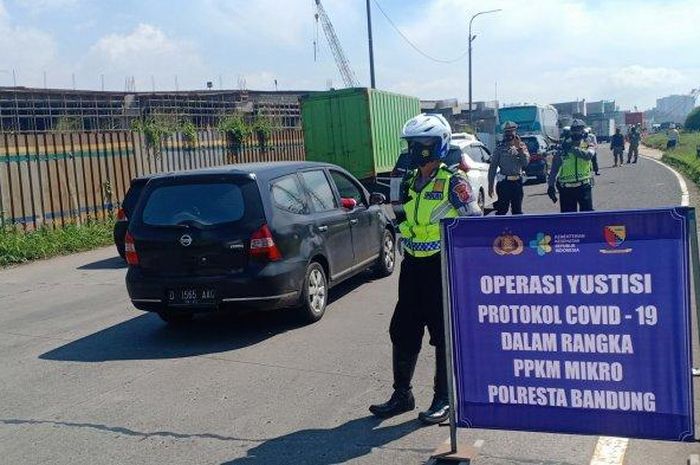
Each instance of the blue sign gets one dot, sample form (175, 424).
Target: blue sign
(573, 323)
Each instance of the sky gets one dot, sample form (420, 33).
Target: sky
(541, 51)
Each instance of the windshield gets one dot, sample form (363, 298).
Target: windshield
(518, 115)
(533, 144)
(204, 204)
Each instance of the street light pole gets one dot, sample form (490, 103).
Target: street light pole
(371, 47)
(471, 39)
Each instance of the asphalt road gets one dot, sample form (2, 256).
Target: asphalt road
(87, 379)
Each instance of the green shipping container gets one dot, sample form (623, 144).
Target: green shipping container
(358, 129)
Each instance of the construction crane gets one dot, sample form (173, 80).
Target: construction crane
(341, 60)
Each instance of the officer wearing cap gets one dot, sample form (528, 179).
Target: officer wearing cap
(429, 193)
(571, 172)
(511, 157)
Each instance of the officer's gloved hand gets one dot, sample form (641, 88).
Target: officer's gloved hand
(552, 193)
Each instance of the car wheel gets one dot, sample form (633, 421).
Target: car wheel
(314, 293)
(175, 319)
(387, 256)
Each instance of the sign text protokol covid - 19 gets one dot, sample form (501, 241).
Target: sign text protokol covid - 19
(573, 323)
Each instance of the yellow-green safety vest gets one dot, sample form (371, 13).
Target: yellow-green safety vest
(574, 169)
(420, 231)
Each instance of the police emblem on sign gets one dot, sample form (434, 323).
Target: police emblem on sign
(508, 244)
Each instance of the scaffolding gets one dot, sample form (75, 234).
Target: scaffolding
(31, 110)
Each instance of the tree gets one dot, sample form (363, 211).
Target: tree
(692, 122)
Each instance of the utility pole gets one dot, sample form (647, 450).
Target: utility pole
(371, 48)
(471, 39)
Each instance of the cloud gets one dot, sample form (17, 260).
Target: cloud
(144, 52)
(29, 51)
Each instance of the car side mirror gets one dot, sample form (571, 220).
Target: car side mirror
(377, 198)
(348, 203)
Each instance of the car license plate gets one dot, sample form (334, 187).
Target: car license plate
(191, 296)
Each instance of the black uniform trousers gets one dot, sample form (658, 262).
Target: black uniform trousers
(618, 153)
(572, 199)
(420, 306)
(510, 196)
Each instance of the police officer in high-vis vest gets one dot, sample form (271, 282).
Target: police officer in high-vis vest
(429, 193)
(572, 170)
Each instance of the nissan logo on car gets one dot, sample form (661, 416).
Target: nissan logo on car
(186, 240)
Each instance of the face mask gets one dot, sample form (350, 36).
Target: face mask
(576, 137)
(509, 136)
(421, 153)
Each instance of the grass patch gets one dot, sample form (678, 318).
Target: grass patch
(17, 246)
(683, 157)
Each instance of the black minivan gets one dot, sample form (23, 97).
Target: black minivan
(261, 235)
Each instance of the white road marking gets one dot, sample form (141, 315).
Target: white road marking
(609, 451)
(685, 196)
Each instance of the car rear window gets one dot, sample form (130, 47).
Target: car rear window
(205, 204)
(403, 163)
(454, 157)
(132, 196)
(533, 145)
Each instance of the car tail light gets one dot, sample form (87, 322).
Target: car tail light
(132, 258)
(263, 246)
(121, 215)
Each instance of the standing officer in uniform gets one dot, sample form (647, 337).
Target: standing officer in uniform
(635, 138)
(429, 193)
(571, 172)
(617, 145)
(511, 156)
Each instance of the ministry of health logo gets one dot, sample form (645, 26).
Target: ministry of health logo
(542, 244)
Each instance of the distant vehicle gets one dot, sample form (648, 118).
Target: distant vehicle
(468, 153)
(540, 157)
(634, 117)
(532, 120)
(262, 236)
(126, 210)
(603, 128)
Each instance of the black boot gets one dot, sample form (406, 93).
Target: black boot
(402, 399)
(439, 410)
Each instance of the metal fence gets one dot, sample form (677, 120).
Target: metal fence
(55, 179)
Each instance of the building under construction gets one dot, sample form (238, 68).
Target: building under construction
(38, 110)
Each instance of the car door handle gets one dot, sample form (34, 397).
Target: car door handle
(323, 228)
(353, 221)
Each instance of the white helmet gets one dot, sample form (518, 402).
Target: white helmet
(430, 125)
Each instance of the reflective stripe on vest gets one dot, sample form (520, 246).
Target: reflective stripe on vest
(424, 210)
(575, 169)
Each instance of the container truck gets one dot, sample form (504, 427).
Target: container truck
(531, 120)
(603, 128)
(358, 129)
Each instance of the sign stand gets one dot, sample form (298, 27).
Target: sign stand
(695, 265)
(451, 451)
